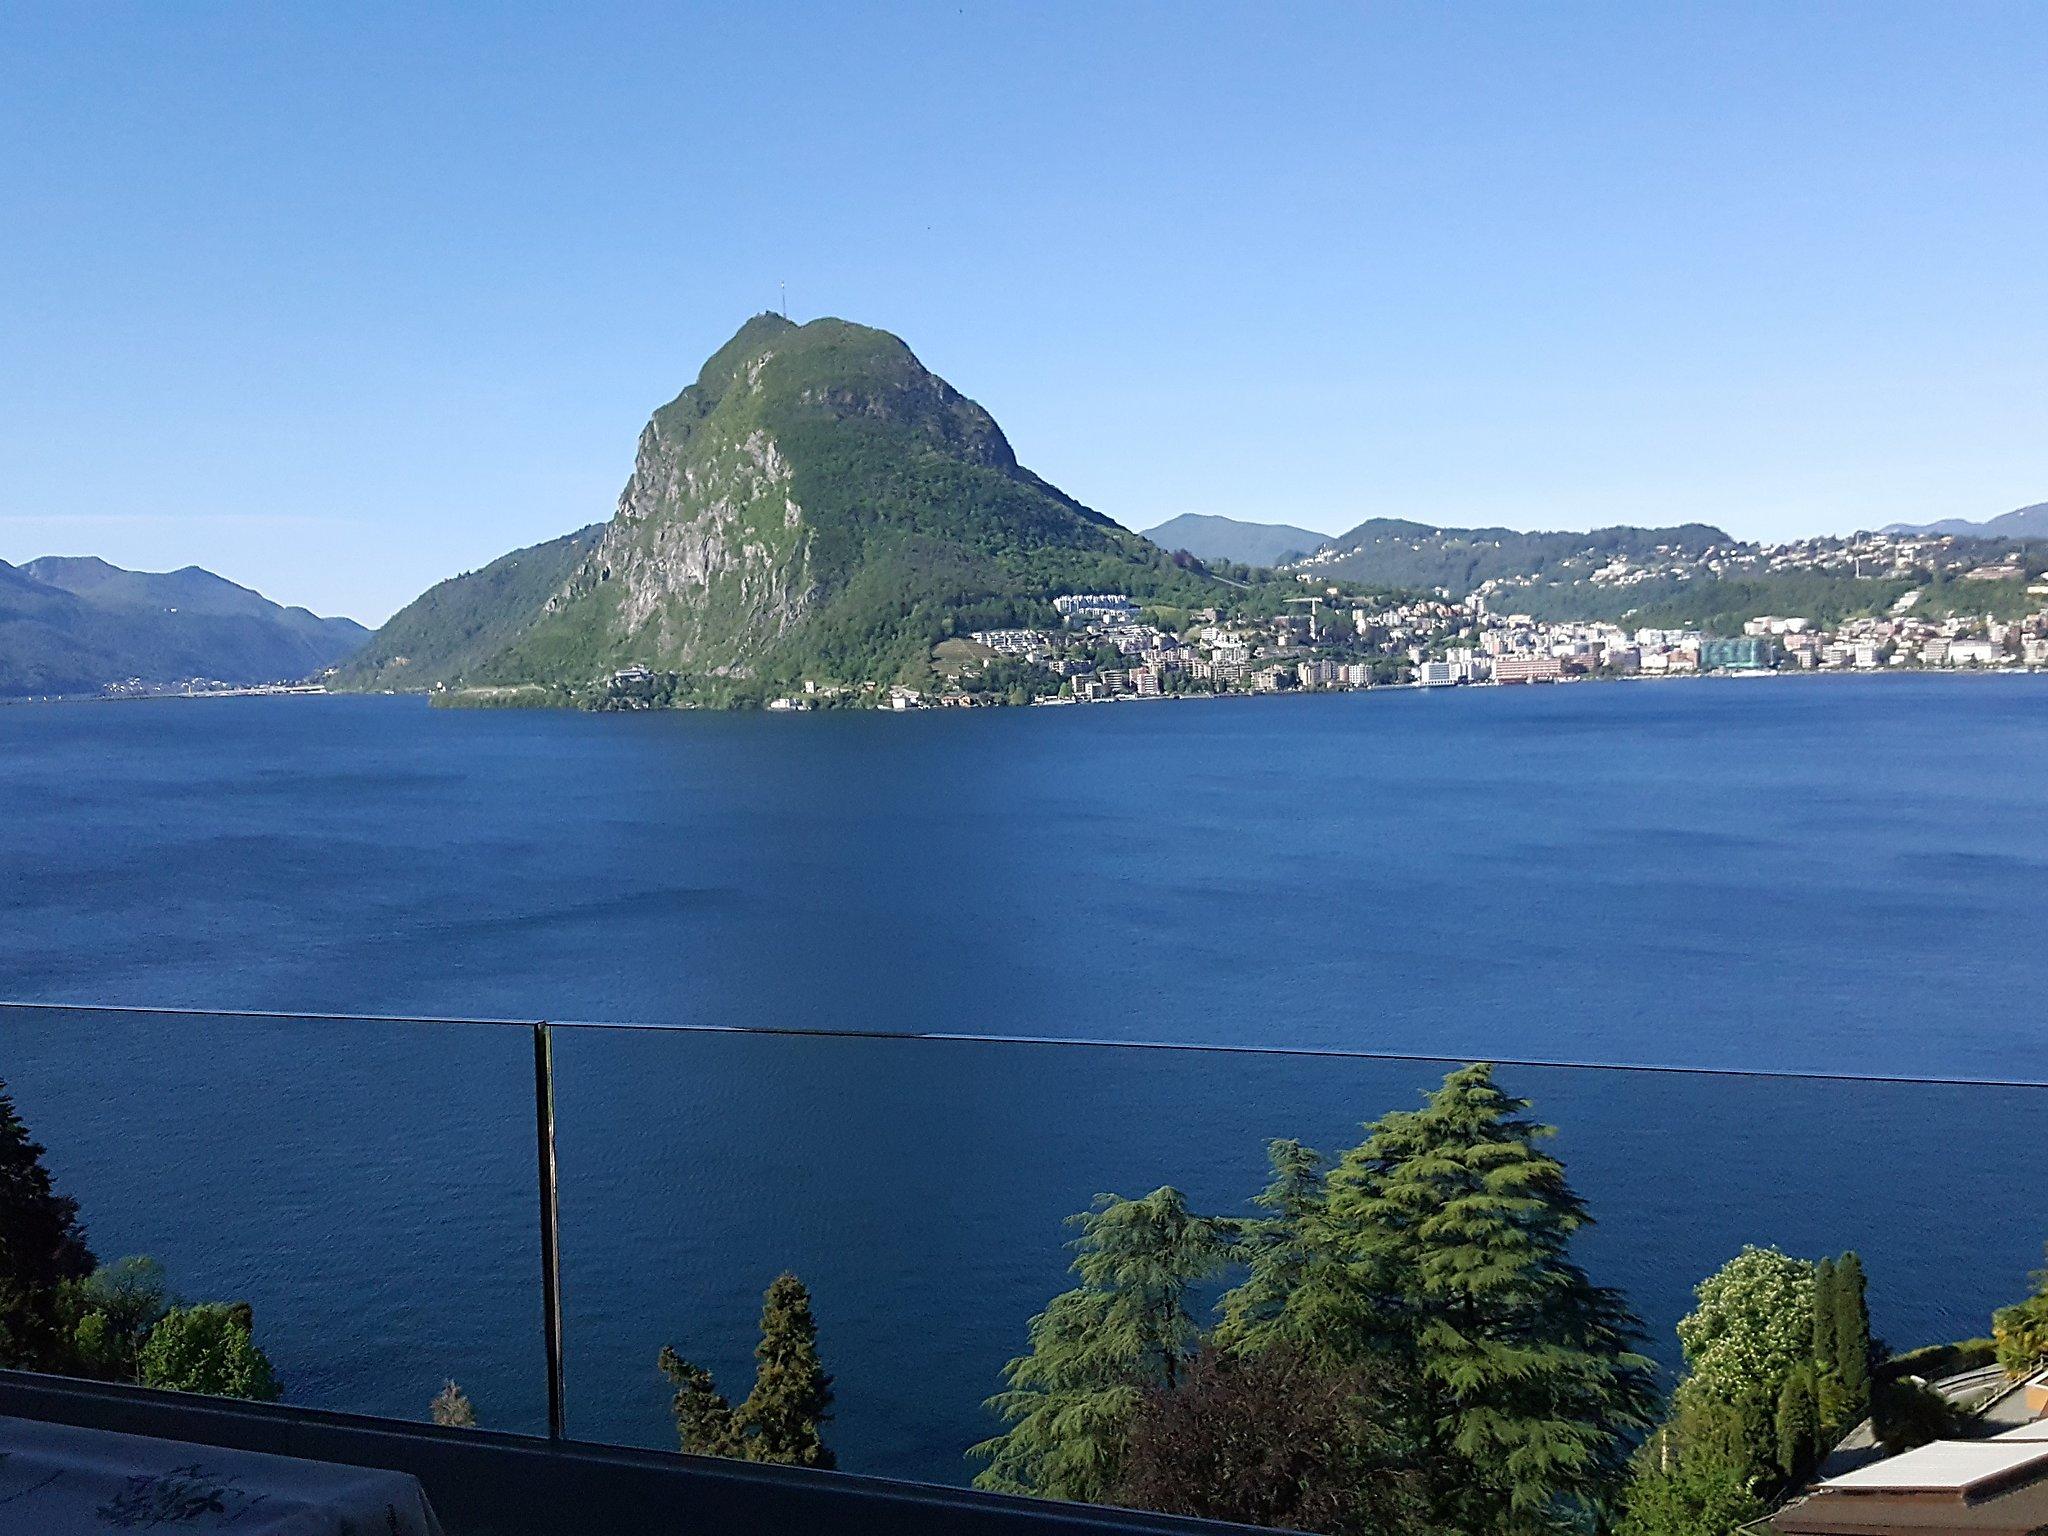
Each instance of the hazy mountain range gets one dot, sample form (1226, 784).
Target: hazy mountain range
(75, 625)
(1402, 553)
(2022, 523)
(1226, 538)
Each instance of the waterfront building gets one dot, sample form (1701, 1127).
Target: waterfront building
(1750, 653)
(1527, 669)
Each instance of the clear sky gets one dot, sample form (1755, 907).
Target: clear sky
(340, 300)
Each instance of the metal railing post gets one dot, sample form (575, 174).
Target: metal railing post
(550, 1242)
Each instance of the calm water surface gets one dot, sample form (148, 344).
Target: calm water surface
(1836, 874)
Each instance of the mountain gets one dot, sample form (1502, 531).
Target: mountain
(457, 626)
(817, 506)
(1225, 538)
(1390, 552)
(75, 625)
(2022, 523)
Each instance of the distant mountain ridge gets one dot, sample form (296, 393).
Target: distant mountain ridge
(1395, 553)
(818, 507)
(1208, 537)
(73, 625)
(2030, 522)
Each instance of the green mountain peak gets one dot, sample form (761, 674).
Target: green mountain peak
(817, 507)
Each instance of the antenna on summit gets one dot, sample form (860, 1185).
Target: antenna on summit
(785, 299)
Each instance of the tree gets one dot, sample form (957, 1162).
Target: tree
(451, 1408)
(1277, 1250)
(704, 1419)
(783, 1418)
(1906, 1412)
(42, 1247)
(1752, 1326)
(1852, 1338)
(209, 1348)
(1691, 1477)
(1126, 1329)
(1797, 1422)
(1824, 1353)
(1268, 1439)
(792, 1396)
(1455, 1231)
(114, 1308)
(2020, 1334)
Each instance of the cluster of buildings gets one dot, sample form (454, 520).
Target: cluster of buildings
(1105, 648)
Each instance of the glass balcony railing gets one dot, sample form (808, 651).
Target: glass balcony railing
(378, 1192)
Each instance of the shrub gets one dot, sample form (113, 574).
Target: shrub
(208, 1348)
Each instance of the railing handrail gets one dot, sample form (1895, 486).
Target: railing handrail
(541, 1032)
(1079, 1042)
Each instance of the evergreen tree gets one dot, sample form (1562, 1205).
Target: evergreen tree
(1691, 1478)
(1798, 1422)
(451, 1408)
(209, 1348)
(705, 1422)
(1832, 1407)
(785, 1413)
(1458, 1228)
(1852, 1336)
(42, 1248)
(1277, 1250)
(1824, 1314)
(782, 1419)
(1126, 1329)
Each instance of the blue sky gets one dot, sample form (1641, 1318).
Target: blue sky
(340, 300)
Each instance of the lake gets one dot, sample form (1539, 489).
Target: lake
(1827, 874)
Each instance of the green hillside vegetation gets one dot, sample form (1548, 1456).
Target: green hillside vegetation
(1394, 553)
(1718, 605)
(467, 619)
(1721, 605)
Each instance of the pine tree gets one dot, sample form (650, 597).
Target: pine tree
(42, 1248)
(705, 1423)
(783, 1418)
(1798, 1422)
(1852, 1336)
(1824, 1314)
(451, 1408)
(1459, 1231)
(785, 1413)
(1277, 1251)
(1127, 1328)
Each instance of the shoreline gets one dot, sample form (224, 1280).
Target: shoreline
(319, 691)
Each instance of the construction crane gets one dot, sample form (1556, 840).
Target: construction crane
(1314, 604)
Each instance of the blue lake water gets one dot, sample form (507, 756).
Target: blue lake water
(1825, 874)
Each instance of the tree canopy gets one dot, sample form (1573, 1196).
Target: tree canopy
(783, 1418)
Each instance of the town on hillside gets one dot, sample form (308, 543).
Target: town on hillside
(1108, 647)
